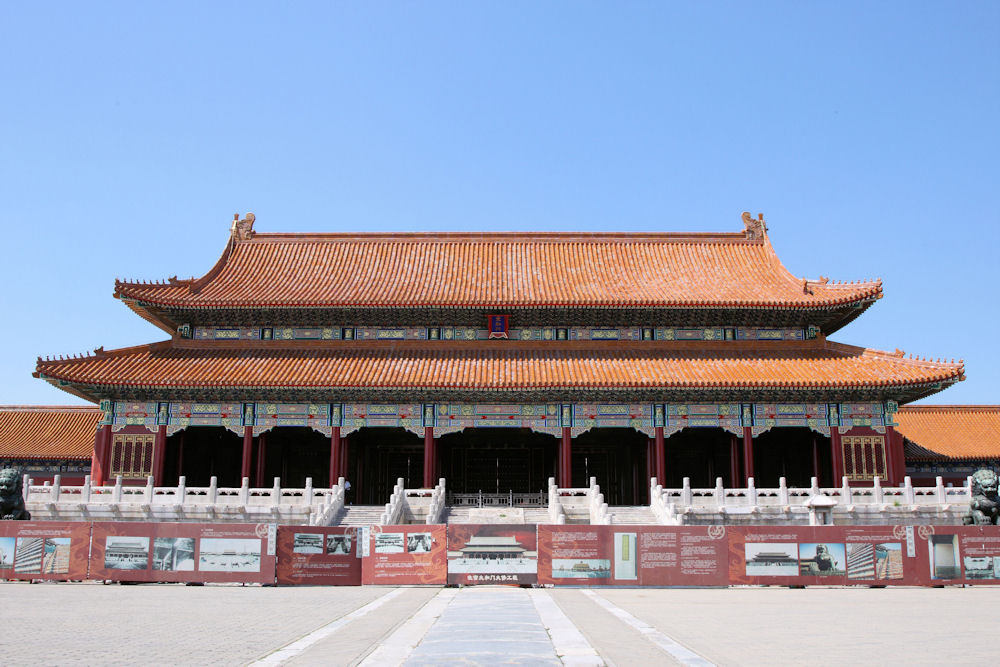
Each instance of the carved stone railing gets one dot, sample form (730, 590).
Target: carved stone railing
(327, 513)
(395, 508)
(120, 502)
(784, 504)
(509, 499)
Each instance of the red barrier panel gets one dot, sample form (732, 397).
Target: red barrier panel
(183, 552)
(402, 555)
(54, 550)
(492, 554)
(309, 555)
(632, 555)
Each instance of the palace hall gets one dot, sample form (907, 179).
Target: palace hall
(496, 361)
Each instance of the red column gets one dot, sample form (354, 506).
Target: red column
(99, 459)
(159, 454)
(734, 459)
(747, 454)
(900, 456)
(837, 456)
(661, 457)
(335, 455)
(895, 459)
(247, 452)
(345, 448)
(261, 457)
(430, 461)
(566, 459)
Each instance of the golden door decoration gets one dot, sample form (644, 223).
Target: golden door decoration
(132, 456)
(864, 457)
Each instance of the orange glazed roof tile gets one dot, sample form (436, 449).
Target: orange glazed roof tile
(950, 431)
(498, 270)
(508, 365)
(47, 432)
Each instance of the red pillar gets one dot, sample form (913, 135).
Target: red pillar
(159, 454)
(99, 459)
(335, 455)
(837, 456)
(895, 459)
(734, 460)
(247, 452)
(566, 459)
(345, 449)
(661, 457)
(747, 454)
(430, 457)
(261, 457)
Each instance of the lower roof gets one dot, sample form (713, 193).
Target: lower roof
(950, 432)
(498, 366)
(47, 432)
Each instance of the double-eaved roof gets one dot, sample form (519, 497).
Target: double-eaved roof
(423, 279)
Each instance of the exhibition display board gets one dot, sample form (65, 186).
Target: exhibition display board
(318, 556)
(183, 552)
(54, 550)
(515, 554)
(404, 555)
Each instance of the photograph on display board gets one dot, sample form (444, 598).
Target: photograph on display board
(126, 553)
(6, 553)
(581, 568)
(889, 560)
(772, 559)
(307, 543)
(56, 558)
(979, 567)
(229, 555)
(338, 544)
(492, 553)
(821, 560)
(389, 543)
(28, 554)
(625, 556)
(174, 554)
(945, 563)
(418, 543)
(860, 561)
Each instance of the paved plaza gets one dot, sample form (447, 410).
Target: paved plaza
(91, 623)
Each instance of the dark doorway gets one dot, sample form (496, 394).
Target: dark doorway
(497, 460)
(701, 454)
(617, 458)
(788, 452)
(294, 453)
(201, 452)
(377, 457)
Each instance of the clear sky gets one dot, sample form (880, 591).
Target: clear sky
(867, 134)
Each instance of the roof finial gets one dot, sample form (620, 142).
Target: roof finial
(754, 229)
(242, 230)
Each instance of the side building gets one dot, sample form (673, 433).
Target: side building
(48, 440)
(496, 361)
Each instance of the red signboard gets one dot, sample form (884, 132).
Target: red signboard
(632, 555)
(188, 552)
(314, 556)
(403, 555)
(54, 550)
(492, 554)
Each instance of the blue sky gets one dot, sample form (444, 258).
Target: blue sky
(866, 133)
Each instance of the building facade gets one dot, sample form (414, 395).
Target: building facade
(496, 361)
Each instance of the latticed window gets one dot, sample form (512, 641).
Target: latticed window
(132, 455)
(864, 457)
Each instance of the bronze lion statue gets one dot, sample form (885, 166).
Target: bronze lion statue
(11, 500)
(984, 507)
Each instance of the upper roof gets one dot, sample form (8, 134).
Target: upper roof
(47, 432)
(498, 271)
(938, 432)
(817, 366)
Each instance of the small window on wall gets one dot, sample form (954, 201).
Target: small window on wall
(864, 457)
(132, 456)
